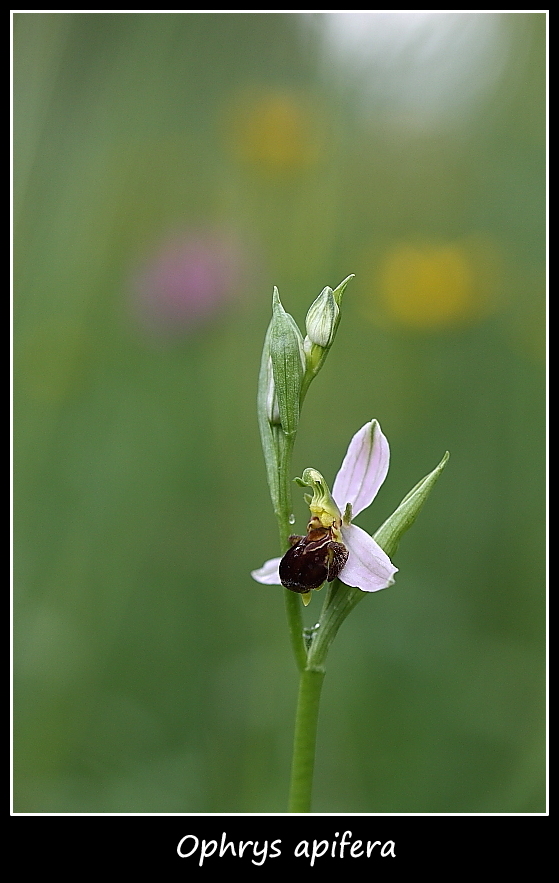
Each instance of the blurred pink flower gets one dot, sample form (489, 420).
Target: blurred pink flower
(188, 281)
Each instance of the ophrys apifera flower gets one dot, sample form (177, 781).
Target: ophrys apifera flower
(333, 545)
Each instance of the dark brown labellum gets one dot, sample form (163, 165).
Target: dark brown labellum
(312, 560)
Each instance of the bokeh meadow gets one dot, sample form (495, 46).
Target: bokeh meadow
(169, 169)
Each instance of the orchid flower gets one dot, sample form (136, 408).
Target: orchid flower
(351, 553)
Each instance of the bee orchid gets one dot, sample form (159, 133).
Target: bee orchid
(334, 546)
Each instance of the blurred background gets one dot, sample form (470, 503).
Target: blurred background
(169, 169)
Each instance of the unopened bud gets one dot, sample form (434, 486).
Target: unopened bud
(322, 323)
(288, 365)
(323, 318)
(272, 407)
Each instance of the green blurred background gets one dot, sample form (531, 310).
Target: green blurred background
(169, 170)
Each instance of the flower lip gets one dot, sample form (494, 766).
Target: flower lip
(313, 559)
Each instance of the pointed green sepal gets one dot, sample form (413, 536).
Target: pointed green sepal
(389, 534)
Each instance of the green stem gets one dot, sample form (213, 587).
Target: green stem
(295, 625)
(311, 680)
(283, 512)
(304, 743)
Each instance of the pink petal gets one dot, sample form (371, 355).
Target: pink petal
(368, 568)
(363, 470)
(268, 573)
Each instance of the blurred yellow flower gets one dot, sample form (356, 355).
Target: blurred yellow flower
(431, 286)
(274, 131)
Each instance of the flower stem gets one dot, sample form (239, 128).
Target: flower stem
(295, 625)
(283, 513)
(310, 679)
(304, 743)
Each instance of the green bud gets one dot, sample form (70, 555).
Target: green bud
(388, 535)
(322, 319)
(288, 361)
(269, 427)
(322, 323)
(272, 407)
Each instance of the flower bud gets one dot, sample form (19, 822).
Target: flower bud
(288, 365)
(322, 323)
(323, 318)
(269, 420)
(272, 407)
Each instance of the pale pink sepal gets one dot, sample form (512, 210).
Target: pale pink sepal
(268, 573)
(363, 470)
(368, 567)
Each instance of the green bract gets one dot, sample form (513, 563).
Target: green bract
(388, 535)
